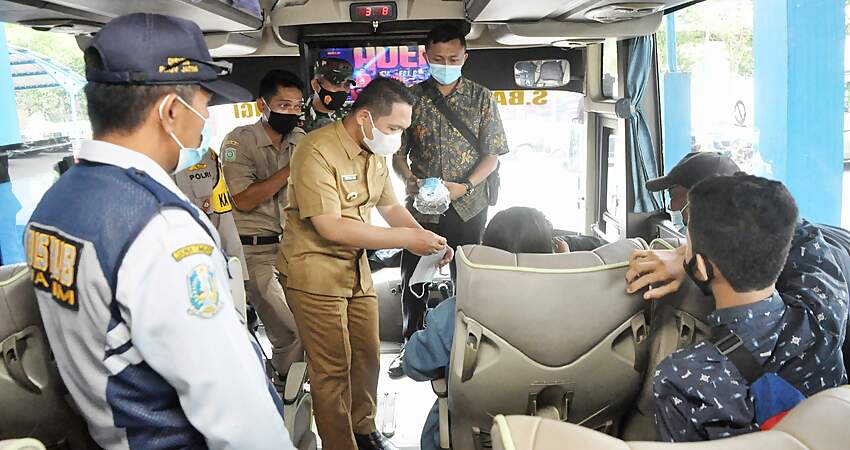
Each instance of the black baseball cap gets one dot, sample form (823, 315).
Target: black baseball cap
(154, 49)
(692, 169)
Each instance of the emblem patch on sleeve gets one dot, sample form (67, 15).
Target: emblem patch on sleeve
(189, 250)
(203, 292)
(230, 154)
(54, 261)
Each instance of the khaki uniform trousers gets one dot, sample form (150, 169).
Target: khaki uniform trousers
(266, 295)
(340, 336)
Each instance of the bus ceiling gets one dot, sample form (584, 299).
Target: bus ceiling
(286, 23)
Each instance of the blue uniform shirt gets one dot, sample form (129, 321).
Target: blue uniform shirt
(797, 333)
(133, 291)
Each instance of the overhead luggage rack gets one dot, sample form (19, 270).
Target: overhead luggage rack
(58, 15)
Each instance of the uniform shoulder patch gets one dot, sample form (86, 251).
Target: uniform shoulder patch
(189, 250)
(54, 261)
(229, 154)
(203, 293)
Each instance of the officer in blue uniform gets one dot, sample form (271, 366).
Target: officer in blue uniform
(131, 282)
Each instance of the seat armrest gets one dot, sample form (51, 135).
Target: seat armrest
(295, 380)
(440, 387)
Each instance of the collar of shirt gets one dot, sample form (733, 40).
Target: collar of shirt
(351, 147)
(106, 153)
(741, 316)
(263, 139)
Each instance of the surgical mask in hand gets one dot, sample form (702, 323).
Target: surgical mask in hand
(190, 156)
(445, 74)
(433, 197)
(381, 144)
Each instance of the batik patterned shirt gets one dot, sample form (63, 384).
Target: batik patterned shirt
(437, 150)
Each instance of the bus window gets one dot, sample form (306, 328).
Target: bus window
(48, 77)
(610, 74)
(712, 64)
(546, 164)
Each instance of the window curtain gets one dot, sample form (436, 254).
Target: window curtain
(644, 165)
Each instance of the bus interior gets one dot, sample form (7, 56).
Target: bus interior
(579, 87)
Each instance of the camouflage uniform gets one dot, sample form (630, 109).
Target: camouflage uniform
(337, 72)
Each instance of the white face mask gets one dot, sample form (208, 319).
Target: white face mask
(381, 144)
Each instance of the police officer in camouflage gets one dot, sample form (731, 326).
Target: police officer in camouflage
(331, 86)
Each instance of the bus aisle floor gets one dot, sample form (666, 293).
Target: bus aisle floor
(403, 404)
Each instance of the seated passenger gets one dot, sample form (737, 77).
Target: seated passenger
(792, 321)
(426, 355)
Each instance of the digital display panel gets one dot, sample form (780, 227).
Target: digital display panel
(368, 12)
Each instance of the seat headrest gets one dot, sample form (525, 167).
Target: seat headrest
(609, 254)
(553, 307)
(18, 305)
(819, 423)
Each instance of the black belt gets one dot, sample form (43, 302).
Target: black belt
(259, 240)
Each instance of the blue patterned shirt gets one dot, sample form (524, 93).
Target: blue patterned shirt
(797, 333)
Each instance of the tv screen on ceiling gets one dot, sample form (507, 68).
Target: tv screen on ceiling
(405, 63)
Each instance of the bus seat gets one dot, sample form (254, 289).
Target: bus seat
(298, 408)
(21, 444)
(33, 399)
(551, 335)
(677, 320)
(819, 423)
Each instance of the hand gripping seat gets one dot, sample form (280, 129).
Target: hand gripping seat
(677, 320)
(548, 335)
(33, 400)
(819, 423)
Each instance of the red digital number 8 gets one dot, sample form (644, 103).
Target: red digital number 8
(368, 12)
(385, 11)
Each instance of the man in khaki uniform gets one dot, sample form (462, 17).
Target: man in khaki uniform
(256, 166)
(204, 185)
(339, 174)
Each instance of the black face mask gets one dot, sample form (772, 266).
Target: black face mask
(282, 123)
(332, 100)
(691, 269)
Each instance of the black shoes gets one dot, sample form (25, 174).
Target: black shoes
(373, 441)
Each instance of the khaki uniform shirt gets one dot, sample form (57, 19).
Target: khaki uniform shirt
(204, 185)
(331, 174)
(249, 156)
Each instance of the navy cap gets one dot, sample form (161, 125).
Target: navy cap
(692, 169)
(154, 49)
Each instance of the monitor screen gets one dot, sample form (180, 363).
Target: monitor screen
(405, 63)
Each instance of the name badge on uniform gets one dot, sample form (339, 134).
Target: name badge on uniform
(349, 178)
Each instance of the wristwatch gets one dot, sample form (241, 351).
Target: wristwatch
(469, 186)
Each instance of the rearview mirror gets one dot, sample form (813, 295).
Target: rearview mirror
(542, 73)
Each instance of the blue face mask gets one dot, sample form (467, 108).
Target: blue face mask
(445, 74)
(190, 156)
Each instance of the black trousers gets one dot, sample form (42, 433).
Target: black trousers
(457, 233)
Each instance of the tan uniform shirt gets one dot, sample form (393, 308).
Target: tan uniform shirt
(204, 185)
(249, 156)
(331, 174)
